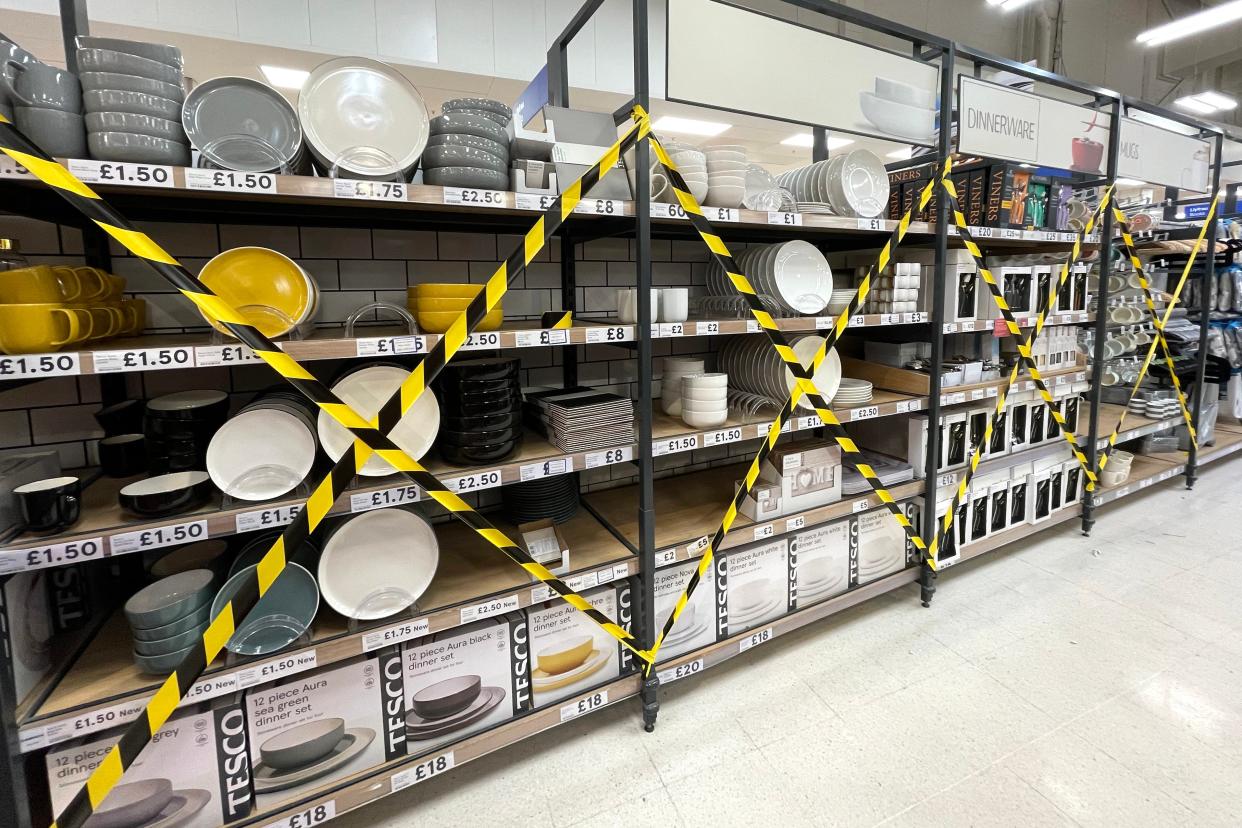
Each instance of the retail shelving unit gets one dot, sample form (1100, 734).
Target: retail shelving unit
(624, 532)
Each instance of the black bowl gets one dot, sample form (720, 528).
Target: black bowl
(451, 396)
(495, 368)
(473, 388)
(492, 408)
(190, 405)
(474, 455)
(124, 417)
(481, 438)
(198, 431)
(483, 422)
(166, 494)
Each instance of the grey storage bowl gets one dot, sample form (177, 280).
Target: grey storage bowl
(444, 698)
(106, 60)
(169, 599)
(115, 100)
(302, 745)
(159, 665)
(467, 177)
(495, 107)
(462, 157)
(133, 803)
(195, 619)
(503, 120)
(141, 149)
(461, 123)
(496, 148)
(131, 83)
(151, 51)
(138, 124)
(172, 644)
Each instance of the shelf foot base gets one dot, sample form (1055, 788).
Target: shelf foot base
(927, 585)
(1087, 524)
(650, 697)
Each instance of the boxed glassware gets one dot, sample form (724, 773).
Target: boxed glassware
(466, 679)
(696, 627)
(755, 586)
(195, 772)
(569, 651)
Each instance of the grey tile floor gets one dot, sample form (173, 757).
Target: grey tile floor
(1073, 681)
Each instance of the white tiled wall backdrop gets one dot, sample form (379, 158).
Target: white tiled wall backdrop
(353, 267)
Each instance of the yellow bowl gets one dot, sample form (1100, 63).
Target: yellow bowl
(564, 656)
(439, 321)
(267, 288)
(442, 305)
(443, 290)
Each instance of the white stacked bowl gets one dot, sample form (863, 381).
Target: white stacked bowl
(726, 175)
(692, 164)
(674, 369)
(705, 400)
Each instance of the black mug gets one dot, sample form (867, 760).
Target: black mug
(123, 455)
(50, 505)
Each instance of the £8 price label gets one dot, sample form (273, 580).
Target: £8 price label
(616, 333)
(608, 457)
(423, 771)
(600, 207)
(584, 705)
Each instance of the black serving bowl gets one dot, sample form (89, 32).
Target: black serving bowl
(480, 408)
(481, 438)
(181, 429)
(190, 405)
(474, 455)
(451, 396)
(475, 370)
(123, 455)
(166, 494)
(482, 422)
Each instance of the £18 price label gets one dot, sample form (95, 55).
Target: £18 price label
(423, 771)
(314, 815)
(755, 639)
(584, 705)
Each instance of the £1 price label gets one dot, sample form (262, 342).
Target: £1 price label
(143, 359)
(276, 668)
(421, 772)
(129, 174)
(474, 482)
(267, 518)
(489, 608)
(608, 457)
(396, 496)
(40, 365)
(722, 214)
(613, 333)
(873, 224)
(158, 537)
(785, 219)
(471, 197)
(229, 181)
(209, 356)
(371, 190)
(755, 639)
(547, 468)
(314, 815)
(414, 628)
(584, 705)
(681, 671)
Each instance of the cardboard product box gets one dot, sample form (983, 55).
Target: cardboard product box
(1019, 502)
(1037, 416)
(1019, 416)
(28, 609)
(998, 508)
(570, 653)
(465, 679)
(977, 196)
(909, 181)
(1039, 489)
(1073, 483)
(545, 543)
(313, 729)
(195, 773)
(961, 184)
(881, 545)
(962, 282)
(946, 552)
(697, 625)
(763, 502)
(1006, 195)
(809, 473)
(756, 585)
(956, 450)
(821, 560)
(1059, 195)
(980, 515)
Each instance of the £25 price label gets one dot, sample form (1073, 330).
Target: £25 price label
(424, 770)
(474, 198)
(584, 705)
(40, 365)
(366, 501)
(159, 537)
(414, 628)
(143, 359)
(533, 201)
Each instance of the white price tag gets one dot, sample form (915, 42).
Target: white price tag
(1047, 235)
(950, 327)
(267, 518)
(1011, 233)
(476, 481)
(209, 356)
(785, 219)
(540, 594)
(471, 197)
(706, 328)
(956, 398)
(794, 523)
(94, 721)
(414, 628)
(993, 392)
(723, 436)
(489, 608)
(765, 531)
(914, 317)
(977, 393)
(143, 359)
(824, 322)
(982, 232)
(608, 457)
(372, 346)
(547, 468)
(949, 479)
(865, 413)
(810, 421)
(906, 406)
(533, 201)
(874, 224)
(666, 557)
(752, 326)
(601, 207)
(38, 557)
(672, 329)
(675, 445)
(482, 340)
(210, 688)
(583, 582)
(667, 211)
(722, 214)
(40, 365)
(681, 671)
(371, 190)
(584, 705)
(276, 668)
(129, 174)
(11, 169)
(228, 181)
(424, 770)
(953, 231)
(860, 506)
(194, 530)
(366, 501)
(890, 319)
(698, 547)
(545, 336)
(755, 639)
(617, 333)
(313, 815)
(619, 571)
(858, 320)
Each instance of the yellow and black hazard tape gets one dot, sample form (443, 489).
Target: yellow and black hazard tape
(1024, 348)
(1151, 349)
(774, 432)
(273, 563)
(1127, 242)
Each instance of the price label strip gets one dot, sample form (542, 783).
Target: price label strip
(56, 554)
(143, 359)
(371, 190)
(396, 496)
(276, 668)
(584, 705)
(40, 365)
(206, 356)
(422, 771)
(228, 181)
(114, 172)
(474, 198)
(314, 815)
(158, 537)
(267, 518)
(390, 345)
(604, 336)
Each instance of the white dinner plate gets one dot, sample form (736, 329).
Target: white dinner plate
(365, 574)
(260, 453)
(365, 391)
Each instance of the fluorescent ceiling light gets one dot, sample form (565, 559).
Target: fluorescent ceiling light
(1008, 5)
(1193, 103)
(689, 126)
(1128, 182)
(1209, 18)
(1217, 100)
(806, 139)
(283, 78)
(901, 154)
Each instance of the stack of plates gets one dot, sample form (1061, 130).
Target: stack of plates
(753, 602)
(482, 400)
(890, 470)
(242, 124)
(688, 625)
(267, 288)
(365, 390)
(437, 305)
(881, 551)
(132, 97)
(794, 274)
(852, 392)
(450, 705)
(363, 574)
(674, 369)
(280, 617)
(853, 184)
(692, 164)
(178, 428)
(266, 449)
(840, 300)
(582, 419)
(363, 119)
(549, 498)
(726, 175)
(469, 145)
(1159, 409)
(167, 618)
(819, 578)
(753, 366)
(761, 191)
(705, 400)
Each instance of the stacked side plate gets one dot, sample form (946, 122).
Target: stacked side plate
(853, 392)
(242, 124)
(168, 617)
(469, 145)
(554, 498)
(365, 389)
(726, 175)
(794, 274)
(753, 366)
(853, 184)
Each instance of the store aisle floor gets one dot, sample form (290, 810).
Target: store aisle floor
(1089, 681)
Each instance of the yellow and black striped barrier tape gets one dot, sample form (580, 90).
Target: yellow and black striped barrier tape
(1127, 242)
(1024, 349)
(368, 437)
(1151, 348)
(774, 431)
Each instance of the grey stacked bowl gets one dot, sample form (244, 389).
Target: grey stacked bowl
(168, 617)
(44, 102)
(132, 96)
(469, 145)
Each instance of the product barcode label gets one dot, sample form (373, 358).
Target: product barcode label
(267, 518)
(414, 628)
(276, 668)
(584, 705)
(162, 536)
(616, 333)
(40, 365)
(785, 219)
(755, 639)
(228, 181)
(374, 190)
(547, 468)
(681, 671)
(38, 557)
(314, 815)
(533, 201)
(474, 198)
(489, 608)
(424, 770)
(143, 359)
(209, 356)
(366, 501)
(547, 336)
(127, 173)
(390, 345)
(608, 457)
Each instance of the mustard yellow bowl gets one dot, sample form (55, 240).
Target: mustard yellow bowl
(439, 321)
(443, 305)
(267, 288)
(443, 290)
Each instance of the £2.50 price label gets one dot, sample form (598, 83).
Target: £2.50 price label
(143, 359)
(423, 771)
(40, 365)
(366, 501)
(414, 628)
(159, 537)
(481, 340)
(475, 482)
(584, 705)
(471, 197)
(508, 603)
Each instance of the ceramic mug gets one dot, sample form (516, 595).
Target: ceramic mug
(40, 85)
(50, 505)
(93, 283)
(106, 320)
(39, 285)
(627, 305)
(674, 304)
(38, 327)
(1110, 377)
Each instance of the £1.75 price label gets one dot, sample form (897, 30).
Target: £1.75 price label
(143, 359)
(424, 770)
(158, 537)
(584, 705)
(372, 190)
(390, 345)
(366, 501)
(414, 628)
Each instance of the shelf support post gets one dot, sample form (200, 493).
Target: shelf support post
(819, 144)
(569, 302)
(1206, 279)
(14, 802)
(1101, 317)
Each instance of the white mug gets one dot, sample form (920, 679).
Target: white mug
(674, 304)
(627, 305)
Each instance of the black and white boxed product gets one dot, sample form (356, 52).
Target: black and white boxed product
(881, 545)
(314, 729)
(889, 470)
(946, 551)
(980, 519)
(569, 651)
(1039, 488)
(465, 679)
(697, 625)
(1019, 411)
(956, 450)
(194, 773)
(763, 502)
(998, 507)
(809, 473)
(963, 286)
(757, 586)
(821, 559)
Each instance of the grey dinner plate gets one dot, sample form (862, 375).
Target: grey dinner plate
(222, 113)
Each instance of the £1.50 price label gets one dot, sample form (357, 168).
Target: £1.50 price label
(143, 359)
(159, 537)
(424, 770)
(681, 671)
(414, 628)
(471, 197)
(584, 705)
(371, 190)
(267, 518)
(390, 345)
(675, 445)
(276, 668)
(723, 436)
(206, 356)
(228, 181)
(366, 501)
(40, 365)
(608, 457)
(113, 172)
(88, 549)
